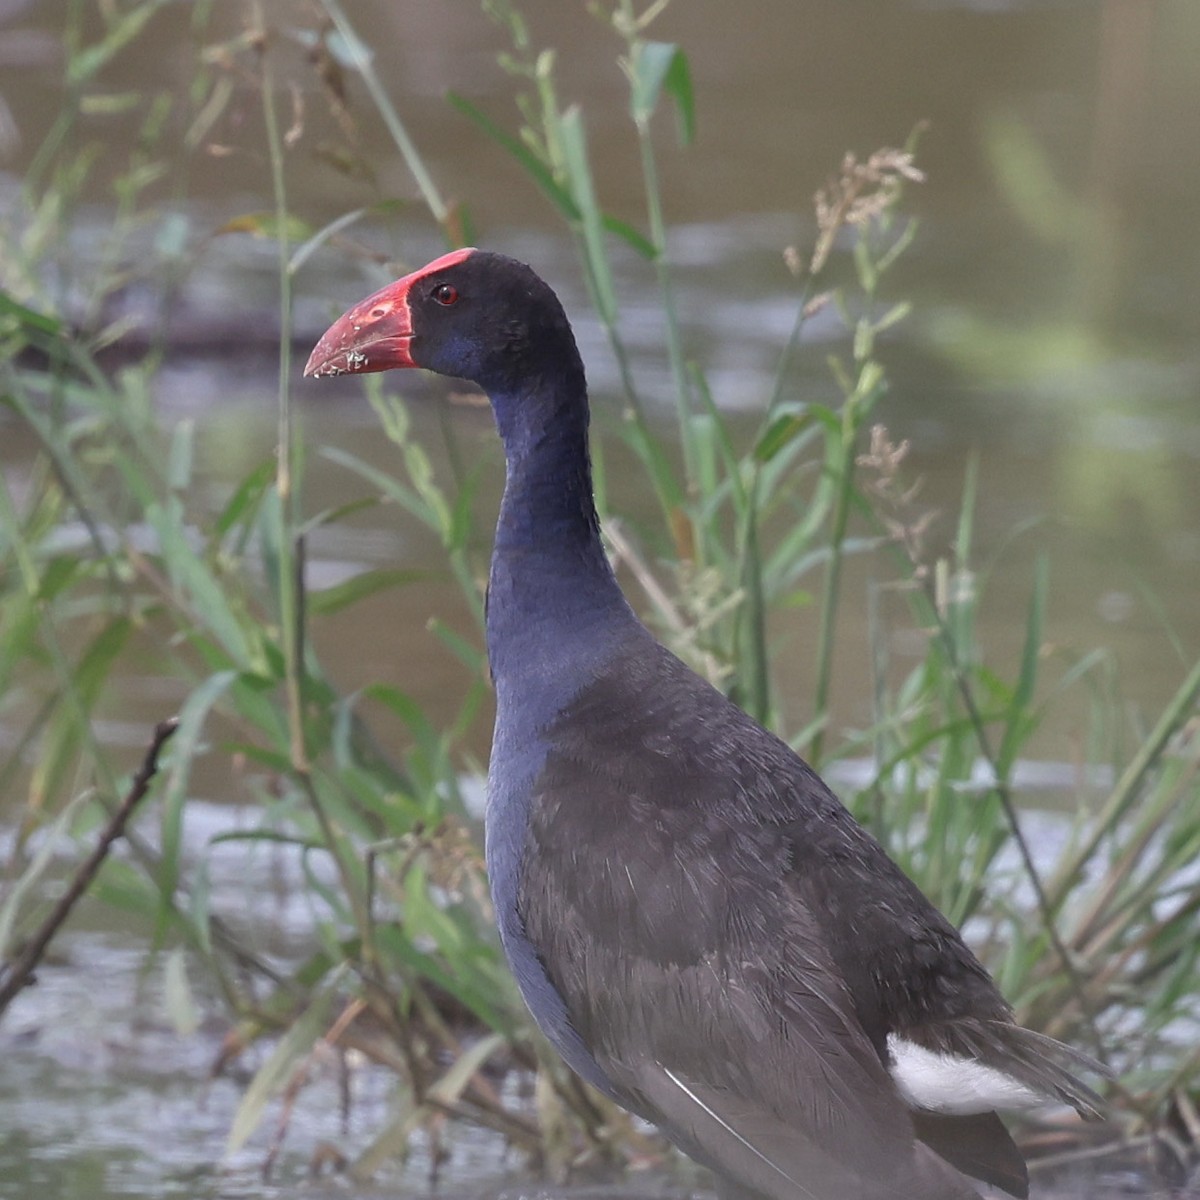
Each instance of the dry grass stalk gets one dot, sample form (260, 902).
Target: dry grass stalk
(862, 192)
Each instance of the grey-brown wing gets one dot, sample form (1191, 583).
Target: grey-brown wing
(706, 991)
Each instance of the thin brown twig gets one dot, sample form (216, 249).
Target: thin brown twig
(19, 971)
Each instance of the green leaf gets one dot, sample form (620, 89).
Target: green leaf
(253, 696)
(28, 317)
(267, 225)
(893, 316)
(1016, 726)
(279, 761)
(123, 886)
(462, 524)
(425, 918)
(626, 232)
(185, 745)
(403, 705)
(247, 497)
(385, 208)
(192, 576)
(177, 994)
(366, 583)
(466, 652)
(721, 436)
(199, 903)
(179, 457)
(868, 273)
(579, 174)
(67, 732)
(529, 161)
(291, 1050)
(83, 65)
(110, 105)
(658, 66)
(57, 576)
(966, 513)
(658, 465)
(273, 836)
(780, 432)
(464, 1068)
(93, 669)
(333, 516)
(28, 884)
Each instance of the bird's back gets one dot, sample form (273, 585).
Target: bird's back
(678, 826)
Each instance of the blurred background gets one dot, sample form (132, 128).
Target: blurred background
(1055, 278)
(1055, 339)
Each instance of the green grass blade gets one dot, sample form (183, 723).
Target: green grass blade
(579, 175)
(358, 587)
(533, 166)
(1018, 717)
(657, 67)
(292, 1049)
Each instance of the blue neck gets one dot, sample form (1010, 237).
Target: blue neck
(555, 620)
(555, 611)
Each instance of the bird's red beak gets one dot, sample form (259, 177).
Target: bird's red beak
(376, 334)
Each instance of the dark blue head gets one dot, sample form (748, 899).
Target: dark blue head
(490, 319)
(471, 314)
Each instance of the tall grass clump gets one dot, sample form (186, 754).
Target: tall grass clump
(117, 566)
(112, 557)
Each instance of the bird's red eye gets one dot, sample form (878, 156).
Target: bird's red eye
(445, 293)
